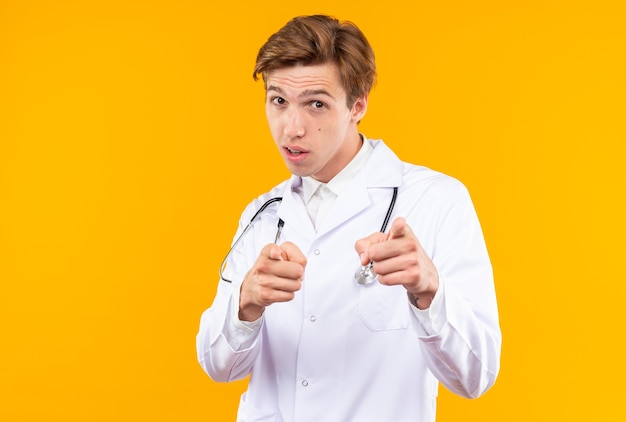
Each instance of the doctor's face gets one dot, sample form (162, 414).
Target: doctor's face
(314, 130)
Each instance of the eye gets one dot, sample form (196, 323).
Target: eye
(318, 105)
(278, 100)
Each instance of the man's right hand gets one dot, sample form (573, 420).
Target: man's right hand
(275, 277)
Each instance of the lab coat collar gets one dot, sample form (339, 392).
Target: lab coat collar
(293, 211)
(383, 169)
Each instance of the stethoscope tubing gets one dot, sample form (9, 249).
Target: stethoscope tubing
(364, 276)
(256, 214)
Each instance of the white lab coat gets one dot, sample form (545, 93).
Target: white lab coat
(341, 351)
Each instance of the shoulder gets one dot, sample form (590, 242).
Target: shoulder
(414, 176)
(433, 198)
(421, 178)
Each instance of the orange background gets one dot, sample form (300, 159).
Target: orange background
(132, 135)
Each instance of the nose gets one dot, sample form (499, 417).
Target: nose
(294, 125)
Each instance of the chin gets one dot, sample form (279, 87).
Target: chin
(296, 171)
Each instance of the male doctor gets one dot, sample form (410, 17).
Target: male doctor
(323, 336)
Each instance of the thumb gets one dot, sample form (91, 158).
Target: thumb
(290, 252)
(362, 245)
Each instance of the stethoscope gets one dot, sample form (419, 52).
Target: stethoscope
(365, 275)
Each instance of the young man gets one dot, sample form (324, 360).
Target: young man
(299, 308)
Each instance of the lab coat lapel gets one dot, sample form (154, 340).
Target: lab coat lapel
(293, 211)
(351, 202)
(382, 170)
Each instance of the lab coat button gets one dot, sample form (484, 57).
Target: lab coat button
(305, 383)
(312, 318)
(316, 251)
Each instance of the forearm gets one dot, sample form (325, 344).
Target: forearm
(226, 347)
(461, 348)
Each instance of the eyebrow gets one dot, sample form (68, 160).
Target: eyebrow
(305, 93)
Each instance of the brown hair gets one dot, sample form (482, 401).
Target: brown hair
(320, 39)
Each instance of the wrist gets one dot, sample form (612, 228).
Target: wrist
(248, 311)
(423, 301)
(249, 316)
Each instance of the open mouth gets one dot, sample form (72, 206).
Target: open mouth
(294, 151)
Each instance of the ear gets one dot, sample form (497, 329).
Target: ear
(359, 108)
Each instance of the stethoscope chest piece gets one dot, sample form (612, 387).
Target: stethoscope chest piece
(365, 275)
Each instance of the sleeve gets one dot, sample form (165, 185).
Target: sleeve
(459, 334)
(227, 347)
(430, 319)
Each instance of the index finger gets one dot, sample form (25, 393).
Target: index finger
(399, 229)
